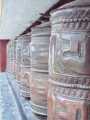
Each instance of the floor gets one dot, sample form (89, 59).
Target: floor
(12, 105)
(8, 103)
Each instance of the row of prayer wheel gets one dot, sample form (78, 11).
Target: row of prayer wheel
(60, 64)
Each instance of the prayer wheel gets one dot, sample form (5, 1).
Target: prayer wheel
(69, 58)
(40, 38)
(18, 58)
(25, 73)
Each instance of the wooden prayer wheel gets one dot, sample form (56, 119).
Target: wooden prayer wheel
(40, 38)
(69, 83)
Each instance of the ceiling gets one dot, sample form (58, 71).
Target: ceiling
(17, 15)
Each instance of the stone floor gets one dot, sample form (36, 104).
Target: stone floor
(12, 105)
(9, 109)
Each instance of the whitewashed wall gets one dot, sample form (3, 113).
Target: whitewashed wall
(19, 14)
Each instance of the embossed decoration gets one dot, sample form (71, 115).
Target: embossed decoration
(69, 59)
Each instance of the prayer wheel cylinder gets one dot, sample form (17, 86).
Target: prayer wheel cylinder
(25, 73)
(69, 58)
(18, 59)
(40, 38)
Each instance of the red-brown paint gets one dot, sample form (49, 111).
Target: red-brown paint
(3, 54)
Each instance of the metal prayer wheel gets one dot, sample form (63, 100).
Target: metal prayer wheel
(25, 54)
(40, 47)
(18, 58)
(11, 57)
(25, 73)
(39, 67)
(69, 62)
